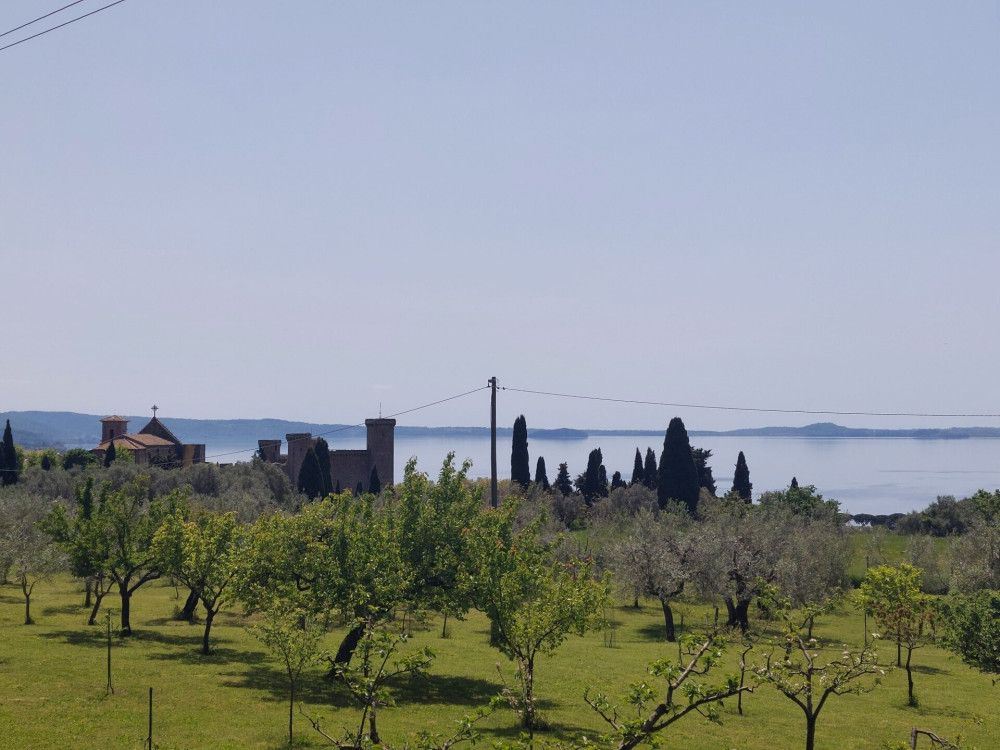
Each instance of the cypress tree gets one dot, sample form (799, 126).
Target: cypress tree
(637, 468)
(8, 457)
(595, 479)
(46, 462)
(110, 455)
(741, 479)
(520, 469)
(322, 449)
(649, 471)
(563, 482)
(374, 483)
(794, 485)
(617, 481)
(359, 490)
(678, 477)
(310, 481)
(540, 476)
(705, 478)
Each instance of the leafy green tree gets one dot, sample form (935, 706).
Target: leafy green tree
(563, 483)
(78, 457)
(705, 478)
(118, 539)
(637, 475)
(742, 487)
(322, 449)
(533, 601)
(432, 523)
(686, 691)
(27, 553)
(310, 481)
(340, 554)
(294, 638)
(649, 470)
(9, 468)
(374, 483)
(808, 674)
(520, 468)
(200, 553)
(972, 629)
(893, 597)
(678, 477)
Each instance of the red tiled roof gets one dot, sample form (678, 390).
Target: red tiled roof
(114, 418)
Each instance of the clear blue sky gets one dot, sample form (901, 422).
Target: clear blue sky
(303, 210)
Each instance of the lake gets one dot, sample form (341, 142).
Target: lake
(867, 475)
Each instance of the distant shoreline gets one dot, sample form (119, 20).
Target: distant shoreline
(34, 429)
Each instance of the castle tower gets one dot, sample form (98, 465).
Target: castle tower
(113, 427)
(381, 436)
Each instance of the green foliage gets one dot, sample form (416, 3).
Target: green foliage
(972, 629)
(705, 478)
(741, 479)
(291, 636)
(594, 483)
(678, 477)
(685, 690)
(533, 601)
(893, 597)
(202, 554)
(520, 469)
(809, 673)
(802, 501)
(78, 457)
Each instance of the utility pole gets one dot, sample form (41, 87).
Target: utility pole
(493, 441)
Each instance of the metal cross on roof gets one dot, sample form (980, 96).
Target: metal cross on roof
(155, 407)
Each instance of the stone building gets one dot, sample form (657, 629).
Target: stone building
(153, 445)
(348, 468)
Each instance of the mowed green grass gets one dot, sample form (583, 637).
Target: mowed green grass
(53, 676)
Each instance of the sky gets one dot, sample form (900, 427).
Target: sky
(323, 210)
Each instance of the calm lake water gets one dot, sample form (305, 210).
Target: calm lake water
(870, 475)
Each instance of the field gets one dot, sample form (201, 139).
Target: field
(53, 685)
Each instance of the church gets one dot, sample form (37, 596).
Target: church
(153, 445)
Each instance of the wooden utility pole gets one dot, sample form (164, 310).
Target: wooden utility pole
(493, 441)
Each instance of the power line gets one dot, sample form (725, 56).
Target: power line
(67, 23)
(819, 412)
(40, 18)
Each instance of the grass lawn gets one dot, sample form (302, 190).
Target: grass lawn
(53, 677)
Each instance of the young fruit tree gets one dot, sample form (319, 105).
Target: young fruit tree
(687, 690)
(533, 601)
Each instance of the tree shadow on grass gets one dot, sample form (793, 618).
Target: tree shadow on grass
(66, 609)
(92, 636)
(267, 676)
(444, 689)
(926, 669)
(656, 632)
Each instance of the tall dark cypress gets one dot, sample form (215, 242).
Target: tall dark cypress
(310, 481)
(520, 468)
(794, 485)
(617, 481)
(374, 483)
(678, 477)
(110, 454)
(8, 457)
(637, 468)
(741, 479)
(540, 476)
(322, 449)
(649, 470)
(595, 479)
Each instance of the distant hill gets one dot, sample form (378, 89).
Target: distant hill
(38, 429)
